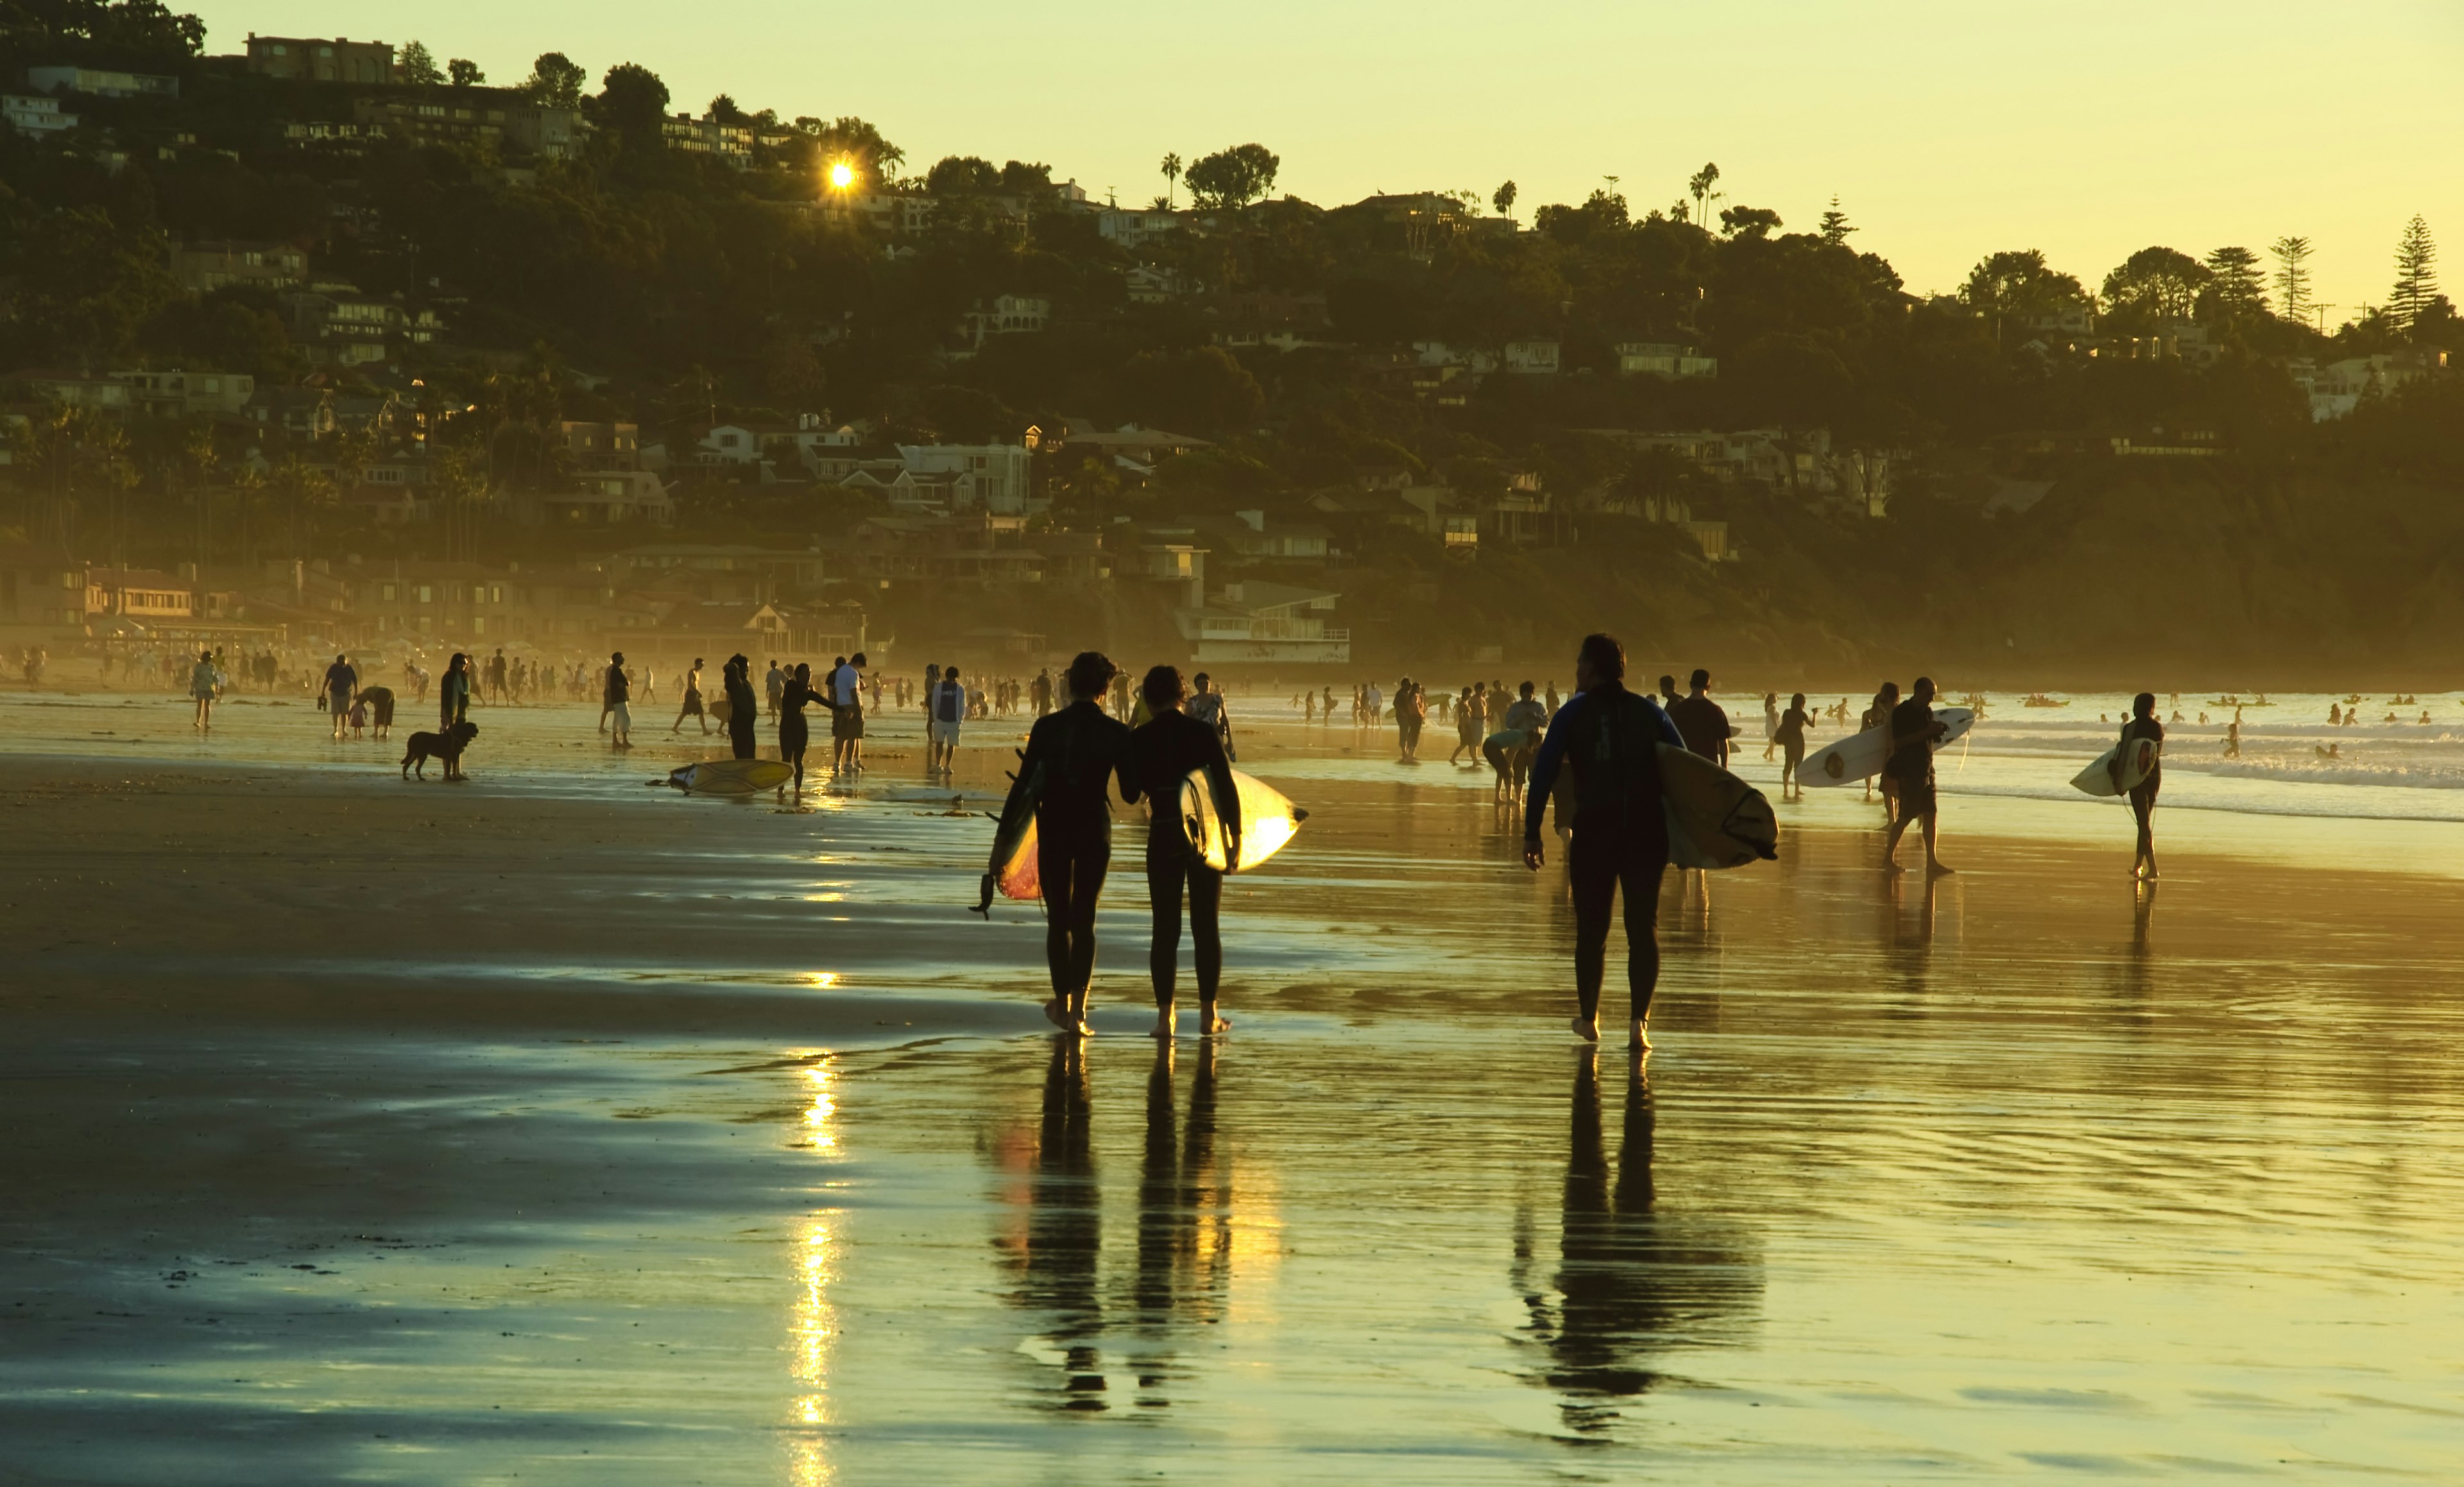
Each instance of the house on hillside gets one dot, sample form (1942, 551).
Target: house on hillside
(1531, 358)
(1663, 359)
(35, 117)
(101, 82)
(320, 60)
(1250, 621)
(1132, 449)
(599, 497)
(1252, 536)
(213, 263)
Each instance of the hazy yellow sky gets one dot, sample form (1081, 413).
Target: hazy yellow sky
(2088, 128)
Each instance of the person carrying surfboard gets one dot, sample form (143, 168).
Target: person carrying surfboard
(1064, 777)
(2143, 725)
(1604, 738)
(1162, 754)
(1914, 730)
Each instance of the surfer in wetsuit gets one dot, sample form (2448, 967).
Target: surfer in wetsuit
(2143, 725)
(1910, 772)
(1163, 753)
(1789, 736)
(741, 706)
(1071, 758)
(795, 734)
(1605, 735)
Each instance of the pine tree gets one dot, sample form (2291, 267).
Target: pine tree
(2416, 275)
(2238, 287)
(1835, 224)
(417, 66)
(2293, 276)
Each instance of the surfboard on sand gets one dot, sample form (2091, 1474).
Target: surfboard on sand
(1715, 819)
(731, 776)
(1012, 872)
(2118, 771)
(1268, 821)
(1861, 756)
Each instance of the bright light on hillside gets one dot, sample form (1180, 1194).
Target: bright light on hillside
(842, 175)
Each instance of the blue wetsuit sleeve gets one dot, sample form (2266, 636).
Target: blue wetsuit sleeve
(1668, 733)
(1544, 769)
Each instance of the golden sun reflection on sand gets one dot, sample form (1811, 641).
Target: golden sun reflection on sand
(811, 1324)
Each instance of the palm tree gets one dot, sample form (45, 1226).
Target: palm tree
(1170, 177)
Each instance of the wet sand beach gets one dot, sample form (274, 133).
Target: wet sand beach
(553, 1128)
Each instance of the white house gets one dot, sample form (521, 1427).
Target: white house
(1131, 230)
(999, 477)
(1531, 358)
(1663, 359)
(35, 116)
(1009, 315)
(101, 82)
(1251, 621)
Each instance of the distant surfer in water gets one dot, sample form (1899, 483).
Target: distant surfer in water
(1910, 773)
(1605, 735)
(1163, 753)
(2143, 725)
(1071, 758)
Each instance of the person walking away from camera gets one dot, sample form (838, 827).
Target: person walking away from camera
(795, 735)
(1162, 754)
(454, 693)
(1879, 715)
(1791, 738)
(1079, 751)
(618, 702)
(1913, 735)
(1041, 690)
(947, 707)
(342, 681)
(201, 689)
(2143, 725)
(742, 705)
(1606, 737)
(1210, 707)
(691, 707)
(1703, 722)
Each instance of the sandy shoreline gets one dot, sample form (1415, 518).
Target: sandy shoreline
(595, 1177)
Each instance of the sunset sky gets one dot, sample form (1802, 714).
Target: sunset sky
(2084, 127)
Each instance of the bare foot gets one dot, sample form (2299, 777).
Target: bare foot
(1639, 1039)
(1055, 1014)
(1210, 1022)
(1163, 1028)
(1939, 870)
(1893, 868)
(1588, 1029)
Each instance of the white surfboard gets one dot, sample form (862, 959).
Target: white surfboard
(731, 776)
(2117, 772)
(1861, 756)
(1268, 821)
(1715, 820)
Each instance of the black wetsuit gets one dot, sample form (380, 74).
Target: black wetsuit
(1606, 737)
(795, 735)
(1162, 754)
(742, 708)
(1079, 751)
(1911, 761)
(2142, 796)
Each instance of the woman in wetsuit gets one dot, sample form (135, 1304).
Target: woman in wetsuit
(2143, 725)
(1162, 754)
(1789, 736)
(793, 733)
(742, 706)
(1071, 758)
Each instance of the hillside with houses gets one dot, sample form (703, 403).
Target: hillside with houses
(319, 339)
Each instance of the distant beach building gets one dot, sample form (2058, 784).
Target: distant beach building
(320, 60)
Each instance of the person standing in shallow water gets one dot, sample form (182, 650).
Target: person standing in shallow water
(795, 735)
(1910, 771)
(2143, 725)
(1079, 751)
(1167, 750)
(742, 705)
(1605, 735)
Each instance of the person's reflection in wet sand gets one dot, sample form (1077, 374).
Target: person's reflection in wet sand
(1183, 1235)
(1629, 1285)
(1908, 957)
(1064, 1226)
(2133, 973)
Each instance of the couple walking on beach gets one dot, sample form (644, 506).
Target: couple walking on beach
(1076, 753)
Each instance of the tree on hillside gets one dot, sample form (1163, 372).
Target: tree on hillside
(723, 110)
(1835, 226)
(2019, 286)
(1171, 169)
(850, 141)
(1233, 178)
(142, 33)
(1604, 212)
(1204, 391)
(1747, 224)
(417, 66)
(961, 175)
(1699, 187)
(464, 73)
(633, 101)
(2235, 287)
(2293, 276)
(557, 79)
(1504, 200)
(2155, 284)
(2416, 275)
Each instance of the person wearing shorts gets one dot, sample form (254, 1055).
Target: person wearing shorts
(1910, 770)
(619, 703)
(947, 706)
(341, 683)
(846, 697)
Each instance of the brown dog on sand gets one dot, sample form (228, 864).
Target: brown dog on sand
(446, 746)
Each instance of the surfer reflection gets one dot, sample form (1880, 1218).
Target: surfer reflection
(1630, 1283)
(1064, 1228)
(1184, 1237)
